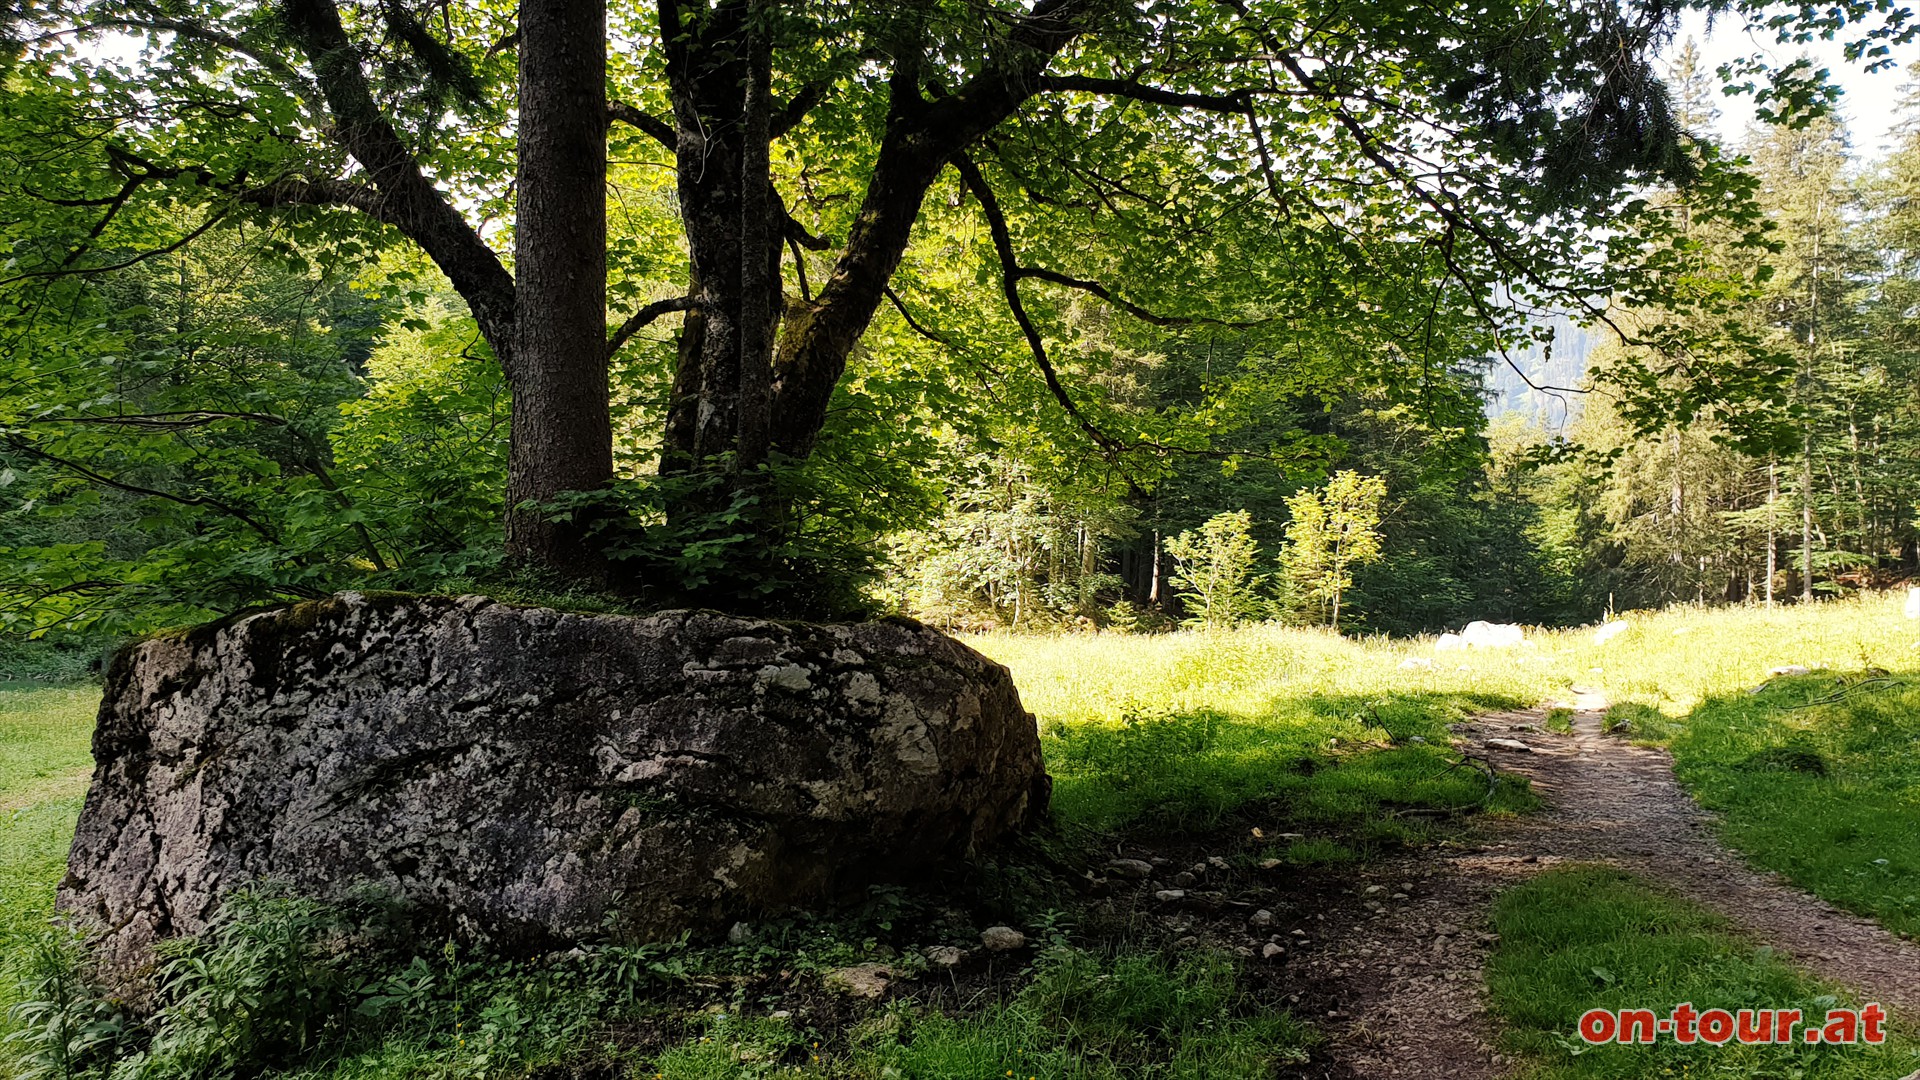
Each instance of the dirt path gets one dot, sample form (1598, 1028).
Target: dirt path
(1405, 958)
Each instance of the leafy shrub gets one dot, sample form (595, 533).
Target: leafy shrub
(61, 1028)
(257, 989)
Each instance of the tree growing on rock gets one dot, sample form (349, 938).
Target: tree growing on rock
(1449, 148)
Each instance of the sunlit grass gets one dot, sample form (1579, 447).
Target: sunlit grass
(1579, 939)
(44, 759)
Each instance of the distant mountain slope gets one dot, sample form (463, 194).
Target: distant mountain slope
(1566, 367)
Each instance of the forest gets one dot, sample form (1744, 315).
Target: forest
(952, 539)
(212, 404)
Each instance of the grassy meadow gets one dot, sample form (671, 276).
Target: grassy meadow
(1593, 938)
(1165, 739)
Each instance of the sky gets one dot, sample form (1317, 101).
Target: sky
(1869, 100)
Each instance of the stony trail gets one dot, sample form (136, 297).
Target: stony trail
(1408, 972)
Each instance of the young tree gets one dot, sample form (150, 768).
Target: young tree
(1214, 570)
(1213, 134)
(1334, 529)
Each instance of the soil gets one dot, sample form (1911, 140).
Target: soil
(1399, 986)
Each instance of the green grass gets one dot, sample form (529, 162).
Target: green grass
(1817, 778)
(1189, 734)
(1587, 938)
(1176, 732)
(1083, 1016)
(44, 761)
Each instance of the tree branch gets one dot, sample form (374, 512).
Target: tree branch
(931, 335)
(132, 260)
(798, 234)
(652, 126)
(789, 115)
(1127, 306)
(1232, 102)
(226, 508)
(1010, 287)
(293, 191)
(409, 201)
(639, 320)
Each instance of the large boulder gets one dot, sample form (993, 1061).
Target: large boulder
(529, 778)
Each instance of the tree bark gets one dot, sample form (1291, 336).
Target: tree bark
(562, 429)
(755, 376)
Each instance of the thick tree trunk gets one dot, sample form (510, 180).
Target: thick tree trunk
(562, 431)
(754, 376)
(718, 70)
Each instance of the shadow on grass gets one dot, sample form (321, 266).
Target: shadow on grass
(1373, 769)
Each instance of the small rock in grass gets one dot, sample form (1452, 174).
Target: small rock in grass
(781, 1014)
(1510, 744)
(1299, 933)
(1002, 939)
(1136, 869)
(1216, 862)
(1375, 890)
(1168, 896)
(860, 980)
(1399, 896)
(1269, 864)
(1185, 879)
(1790, 669)
(1187, 942)
(1260, 919)
(946, 956)
(739, 934)
(1243, 952)
(1271, 951)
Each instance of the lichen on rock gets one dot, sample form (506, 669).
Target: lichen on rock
(530, 779)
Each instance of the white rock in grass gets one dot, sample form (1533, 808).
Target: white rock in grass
(1486, 635)
(1413, 662)
(1609, 631)
(1449, 643)
(1790, 669)
(1509, 744)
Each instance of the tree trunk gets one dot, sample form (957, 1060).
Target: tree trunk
(1806, 522)
(562, 429)
(1773, 532)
